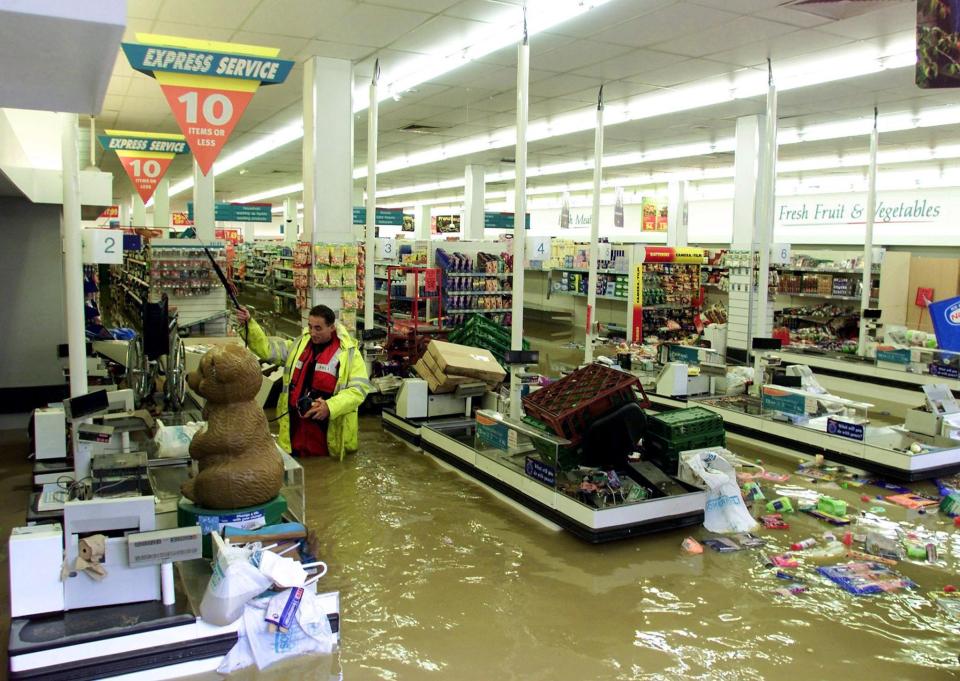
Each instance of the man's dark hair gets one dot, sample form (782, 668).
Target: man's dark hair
(324, 312)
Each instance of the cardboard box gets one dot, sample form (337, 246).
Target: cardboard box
(437, 381)
(422, 370)
(462, 360)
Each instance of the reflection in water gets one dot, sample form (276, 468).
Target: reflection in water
(440, 579)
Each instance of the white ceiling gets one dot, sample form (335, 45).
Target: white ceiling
(629, 46)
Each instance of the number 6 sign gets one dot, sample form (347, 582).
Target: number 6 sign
(208, 85)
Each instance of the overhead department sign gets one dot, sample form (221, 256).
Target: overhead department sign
(145, 156)
(208, 84)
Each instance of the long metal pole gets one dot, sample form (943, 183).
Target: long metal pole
(73, 255)
(866, 284)
(594, 231)
(373, 113)
(520, 213)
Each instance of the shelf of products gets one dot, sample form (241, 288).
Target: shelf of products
(414, 303)
(671, 300)
(475, 284)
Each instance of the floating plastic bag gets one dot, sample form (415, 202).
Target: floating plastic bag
(725, 510)
(235, 580)
(173, 442)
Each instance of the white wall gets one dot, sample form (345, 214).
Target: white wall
(31, 276)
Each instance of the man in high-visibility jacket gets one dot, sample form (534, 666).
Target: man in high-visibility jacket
(324, 383)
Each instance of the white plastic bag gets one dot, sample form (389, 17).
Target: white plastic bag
(173, 442)
(235, 580)
(725, 510)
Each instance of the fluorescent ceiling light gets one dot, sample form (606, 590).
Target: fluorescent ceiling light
(505, 30)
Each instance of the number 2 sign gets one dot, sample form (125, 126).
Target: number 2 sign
(208, 84)
(103, 246)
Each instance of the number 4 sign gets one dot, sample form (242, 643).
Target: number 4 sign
(208, 85)
(144, 155)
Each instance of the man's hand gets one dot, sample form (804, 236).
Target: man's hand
(319, 411)
(243, 315)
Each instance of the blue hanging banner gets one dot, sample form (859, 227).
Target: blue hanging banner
(387, 217)
(945, 315)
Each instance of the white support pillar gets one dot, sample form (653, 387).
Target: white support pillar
(746, 178)
(161, 204)
(124, 210)
(422, 221)
(520, 214)
(866, 284)
(203, 204)
(327, 159)
(291, 224)
(249, 232)
(594, 231)
(677, 223)
(73, 255)
(373, 114)
(766, 200)
(474, 202)
(139, 210)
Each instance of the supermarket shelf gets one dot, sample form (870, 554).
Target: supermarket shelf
(130, 258)
(478, 293)
(285, 269)
(502, 310)
(284, 294)
(714, 267)
(137, 279)
(577, 294)
(424, 299)
(586, 271)
(811, 270)
(710, 285)
(502, 275)
(820, 295)
(285, 280)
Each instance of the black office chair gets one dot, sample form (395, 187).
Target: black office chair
(613, 436)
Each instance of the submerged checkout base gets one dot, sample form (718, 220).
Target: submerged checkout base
(518, 462)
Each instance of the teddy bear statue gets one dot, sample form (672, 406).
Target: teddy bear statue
(239, 464)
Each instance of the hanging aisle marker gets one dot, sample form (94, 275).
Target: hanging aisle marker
(145, 156)
(208, 84)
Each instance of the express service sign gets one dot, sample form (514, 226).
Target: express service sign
(208, 84)
(145, 156)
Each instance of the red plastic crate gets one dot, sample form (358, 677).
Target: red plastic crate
(568, 405)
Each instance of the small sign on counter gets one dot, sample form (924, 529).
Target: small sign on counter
(852, 431)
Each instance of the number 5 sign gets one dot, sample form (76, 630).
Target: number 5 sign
(144, 155)
(208, 85)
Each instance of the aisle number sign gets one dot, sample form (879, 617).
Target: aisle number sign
(386, 249)
(145, 156)
(102, 246)
(208, 84)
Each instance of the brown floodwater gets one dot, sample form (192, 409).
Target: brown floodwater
(439, 578)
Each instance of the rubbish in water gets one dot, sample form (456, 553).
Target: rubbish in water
(911, 501)
(865, 498)
(748, 540)
(691, 545)
(883, 545)
(832, 506)
(932, 553)
(780, 505)
(949, 589)
(832, 519)
(785, 560)
(722, 544)
(787, 576)
(847, 539)
(915, 551)
(860, 555)
(865, 578)
(877, 509)
(831, 550)
(789, 591)
(774, 521)
(804, 544)
(950, 505)
(752, 492)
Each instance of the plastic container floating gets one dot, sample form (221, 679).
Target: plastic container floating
(864, 579)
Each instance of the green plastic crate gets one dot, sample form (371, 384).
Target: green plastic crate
(684, 423)
(666, 453)
(567, 458)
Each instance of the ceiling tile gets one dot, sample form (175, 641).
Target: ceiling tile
(431, 6)
(740, 31)
(186, 30)
(485, 10)
(739, 6)
(288, 45)
(144, 9)
(442, 35)
(371, 25)
(541, 42)
(628, 64)
(609, 15)
(672, 21)
(575, 55)
(565, 84)
(303, 18)
(899, 17)
(793, 44)
(683, 71)
(324, 48)
(219, 13)
(793, 17)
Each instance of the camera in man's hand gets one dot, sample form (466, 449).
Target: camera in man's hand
(304, 404)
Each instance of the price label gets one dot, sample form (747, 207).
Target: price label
(102, 246)
(387, 250)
